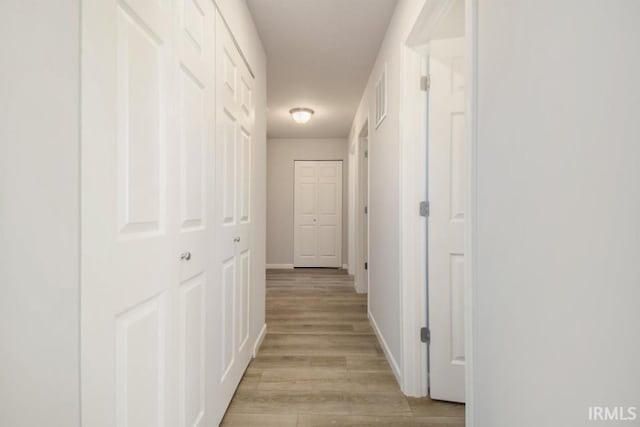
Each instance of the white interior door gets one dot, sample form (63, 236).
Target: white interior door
(318, 214)
(364, 194)
(194, 92)
(130, 260)
(446, 219)
(234, 125)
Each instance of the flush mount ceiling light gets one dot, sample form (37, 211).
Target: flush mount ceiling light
(301, 115)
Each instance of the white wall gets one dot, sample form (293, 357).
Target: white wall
(281, 154)
(238, 17)
(384, 172)
(557, 320)
(39, 213)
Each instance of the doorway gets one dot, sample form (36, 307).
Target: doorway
(317, 214)
(363, 209)
(437, 57)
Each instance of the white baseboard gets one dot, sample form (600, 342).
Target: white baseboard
(290, 266)
(358, 288)
(258, 343)
(279, 266)
(392, 362)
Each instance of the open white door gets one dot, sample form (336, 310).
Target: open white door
(364, 211)
(234, 125)
(318, 214)
(446, 219)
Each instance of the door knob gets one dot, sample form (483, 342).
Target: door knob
(186, 256)
(237, 239)
(314, 220)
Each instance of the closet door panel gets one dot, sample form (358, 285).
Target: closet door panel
(235, 115)
(129, 281)
(194, 92)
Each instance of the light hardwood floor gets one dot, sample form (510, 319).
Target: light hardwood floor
(321, 364)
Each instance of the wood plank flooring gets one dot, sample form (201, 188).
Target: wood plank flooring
(321, 364)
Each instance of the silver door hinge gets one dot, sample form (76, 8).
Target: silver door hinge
(425, 83)
(366, 209)
(425, 335)
(424, 208)
(366, 154)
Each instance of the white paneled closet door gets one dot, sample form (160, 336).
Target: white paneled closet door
(194, 108)
(147, 212)
(318, 214)
(235, 118)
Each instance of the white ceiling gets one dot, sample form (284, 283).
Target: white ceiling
(319, 55)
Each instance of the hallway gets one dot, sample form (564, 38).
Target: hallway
(321, 364)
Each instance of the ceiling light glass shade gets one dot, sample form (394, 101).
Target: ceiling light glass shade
(301, 115)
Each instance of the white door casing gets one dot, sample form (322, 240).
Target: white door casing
(447, 195)
(235, 118)
(318, 214)
(364, 210)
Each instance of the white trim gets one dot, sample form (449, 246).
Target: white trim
(361, 253)
(385, 349)
(279, 266)
(433, 12)
(351, 229)
(259, 340)
(233, 38)
(471, 240)
(290, 266)
(413, 235)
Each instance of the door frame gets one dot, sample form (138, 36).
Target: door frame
(413, 289)
(361, 248)
(341, 216)
(413, 235)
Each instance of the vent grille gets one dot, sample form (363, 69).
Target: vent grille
(381, 98)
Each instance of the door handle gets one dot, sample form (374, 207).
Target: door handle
(237, 239)
(186, 256)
